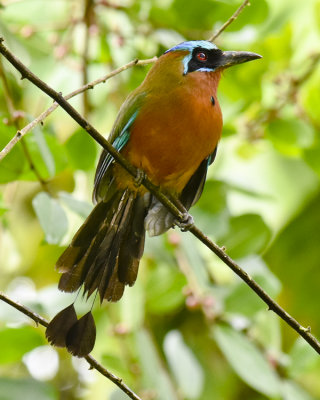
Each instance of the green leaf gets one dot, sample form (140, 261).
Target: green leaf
(202, 15)
(296, 249)
(154, 375)
(17, 389)
(303, 359)
(195, 260)
(266, 331)
(104, 50)
(214, 198)
(18, 341)
(118, 395)
(52, 217)
(310, 97)
(3, 207)
(289, 136)
(44, 150)
(242, 300)
(256, 13)
(81, 208)
(47, 154)
(116, 364)
(312, 158)
(21, 14)
(247, 361)
(132, 307)
(184, 365)
(12, 165)
(164, 290)
(82, 150)
(248, 234)
(291, 391)
(191, 15)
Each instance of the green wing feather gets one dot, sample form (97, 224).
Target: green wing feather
(119, 137)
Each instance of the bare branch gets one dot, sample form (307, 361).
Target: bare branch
(230, 20)
(173, 205)
(93, 362)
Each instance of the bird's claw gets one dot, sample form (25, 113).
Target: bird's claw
(186, 223)
(139, 177)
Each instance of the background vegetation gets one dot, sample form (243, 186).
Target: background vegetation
(188, 329)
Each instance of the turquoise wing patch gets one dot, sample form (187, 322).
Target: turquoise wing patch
(118, 143)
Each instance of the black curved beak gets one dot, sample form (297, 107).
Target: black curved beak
(229, 58)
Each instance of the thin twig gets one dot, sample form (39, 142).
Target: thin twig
(93, 362)
(174, 208)
(230, 20)
(6, 150)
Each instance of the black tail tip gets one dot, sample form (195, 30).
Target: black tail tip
(81, 337)
(78, 336)
(59, 326)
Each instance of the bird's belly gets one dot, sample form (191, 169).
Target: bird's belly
(171, 151)
(171, 165)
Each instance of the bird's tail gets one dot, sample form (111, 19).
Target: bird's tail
(104, 255)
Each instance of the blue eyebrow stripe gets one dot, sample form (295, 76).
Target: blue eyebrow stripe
(192, 44)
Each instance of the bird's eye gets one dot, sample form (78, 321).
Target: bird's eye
(201, 56)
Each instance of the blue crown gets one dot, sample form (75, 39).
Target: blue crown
(192, 44)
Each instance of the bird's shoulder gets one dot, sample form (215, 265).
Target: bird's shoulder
(127, 113)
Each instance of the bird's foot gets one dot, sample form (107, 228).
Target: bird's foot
(186, 223)
(139, 177)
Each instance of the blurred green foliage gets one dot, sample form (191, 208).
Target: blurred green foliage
(188, 329)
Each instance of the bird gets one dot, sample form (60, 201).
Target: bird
(168, 128)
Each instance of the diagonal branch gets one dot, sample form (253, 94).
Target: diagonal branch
(172, 205)
(93, 362)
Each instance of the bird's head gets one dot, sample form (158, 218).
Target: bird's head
(204, 56)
